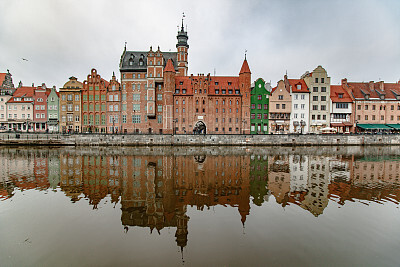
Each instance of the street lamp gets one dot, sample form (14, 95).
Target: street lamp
(113, 125)
(302, 123)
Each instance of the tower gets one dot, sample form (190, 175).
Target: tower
(182, 55)
(168, 99)
(245, 89)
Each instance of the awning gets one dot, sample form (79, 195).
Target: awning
(374, 127)
(337, 124)
(347, 123)
(395, 126)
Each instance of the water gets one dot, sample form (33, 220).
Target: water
(232, 206)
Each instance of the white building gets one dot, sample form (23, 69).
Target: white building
(299, 117)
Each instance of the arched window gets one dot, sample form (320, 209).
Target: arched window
(204, 102)
(197, 102)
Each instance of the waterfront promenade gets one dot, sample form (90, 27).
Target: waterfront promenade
(12, 138)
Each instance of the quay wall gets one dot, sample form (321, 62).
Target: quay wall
(197, 140)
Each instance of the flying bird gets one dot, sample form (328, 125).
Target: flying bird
(24, 59)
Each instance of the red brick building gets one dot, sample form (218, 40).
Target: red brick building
(159, 97)
(96, 118)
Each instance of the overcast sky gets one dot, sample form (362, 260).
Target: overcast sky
(358, 40)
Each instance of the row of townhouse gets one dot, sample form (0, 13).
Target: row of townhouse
(311, 105)
(27, 108)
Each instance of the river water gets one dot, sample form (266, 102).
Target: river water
(200, 206)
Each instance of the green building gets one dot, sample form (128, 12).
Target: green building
(259, 109)
(53, 111)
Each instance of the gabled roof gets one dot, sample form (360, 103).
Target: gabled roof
(245, 67)
(336, 90)
(22, 92)
(295, 82)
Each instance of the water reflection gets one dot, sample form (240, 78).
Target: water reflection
(155, 186)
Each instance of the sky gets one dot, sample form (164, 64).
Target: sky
(354, 39)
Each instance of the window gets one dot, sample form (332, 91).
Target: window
(315, 107)
(318, 117)
(76, 97)
(324, 117)
(295, 115)
(259, 97)
(123, 118)
(315, 98)
(136, 119)
(277, 106)
(366, 107)
(223, 91)
(373, 117)
(216, 91)
(280, 97)
(342, 105)
(136, 97)
(322, 80)
(382, 117)
(159, 108)
(315, 89)
(110, 98)
(259, 116)
(373, 107)
(340, 95)
(323, 89)
(283, 106)
(63, 108)
(303, 106)
(252, 116)
(159, 118)
(358, 117)
(359, 107)
(259, 106)
(77, 118)
(265, 106)
(296, 106)
(69, 107)
(392, 107)
(159, 97)
(296, 96)
(115, 107)
(136, 107)
(303, 97)
(69, 117)
(316, 80)
(265, 116)
(323, 107)
(366, 117)
(76, 107)
(253, 106)
(323, 98)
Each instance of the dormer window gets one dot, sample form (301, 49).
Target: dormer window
(299, 87)
(141, 63)
(382, 97)
(367, 97)
(340, 95)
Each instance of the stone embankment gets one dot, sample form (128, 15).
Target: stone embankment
(196, 140)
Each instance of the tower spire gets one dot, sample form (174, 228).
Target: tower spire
(183, 15)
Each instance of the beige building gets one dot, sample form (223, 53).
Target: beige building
(280, 106)
(20, 109)
(320, 90)
(70, 106)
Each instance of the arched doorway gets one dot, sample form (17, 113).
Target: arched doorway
(200, 128)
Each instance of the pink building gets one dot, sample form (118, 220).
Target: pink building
(40, 108)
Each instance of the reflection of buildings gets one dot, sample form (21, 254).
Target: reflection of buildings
(279, 178)
(259, 179)
(316, 198)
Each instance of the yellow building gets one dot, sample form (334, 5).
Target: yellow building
(70, 106)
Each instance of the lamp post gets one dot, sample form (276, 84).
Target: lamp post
(302, 124)
(113, 125)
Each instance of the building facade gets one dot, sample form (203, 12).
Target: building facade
(319, 84)
(70, 106)
(94, 102)
(376, 105)
(20, 109)
(53, 110)
(114, 123)
(40, 108)
(299, 117)
(6, 84)
(341, 110)
(280, 108)
(259, 111)
(159, 97)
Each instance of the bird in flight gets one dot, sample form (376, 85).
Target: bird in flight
(24, 59)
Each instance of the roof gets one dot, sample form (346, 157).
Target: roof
(337, 90)
(73, 83)
(295, 82)
(136, 56)
(223, 83)
(169, 67)
(2, 78)
(375, 90)
(245, 67)
(22, 92)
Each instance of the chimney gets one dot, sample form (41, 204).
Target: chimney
(371, 85)
(344, 81)
(381, 85)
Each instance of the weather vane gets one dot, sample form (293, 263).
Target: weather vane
(245, 53)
